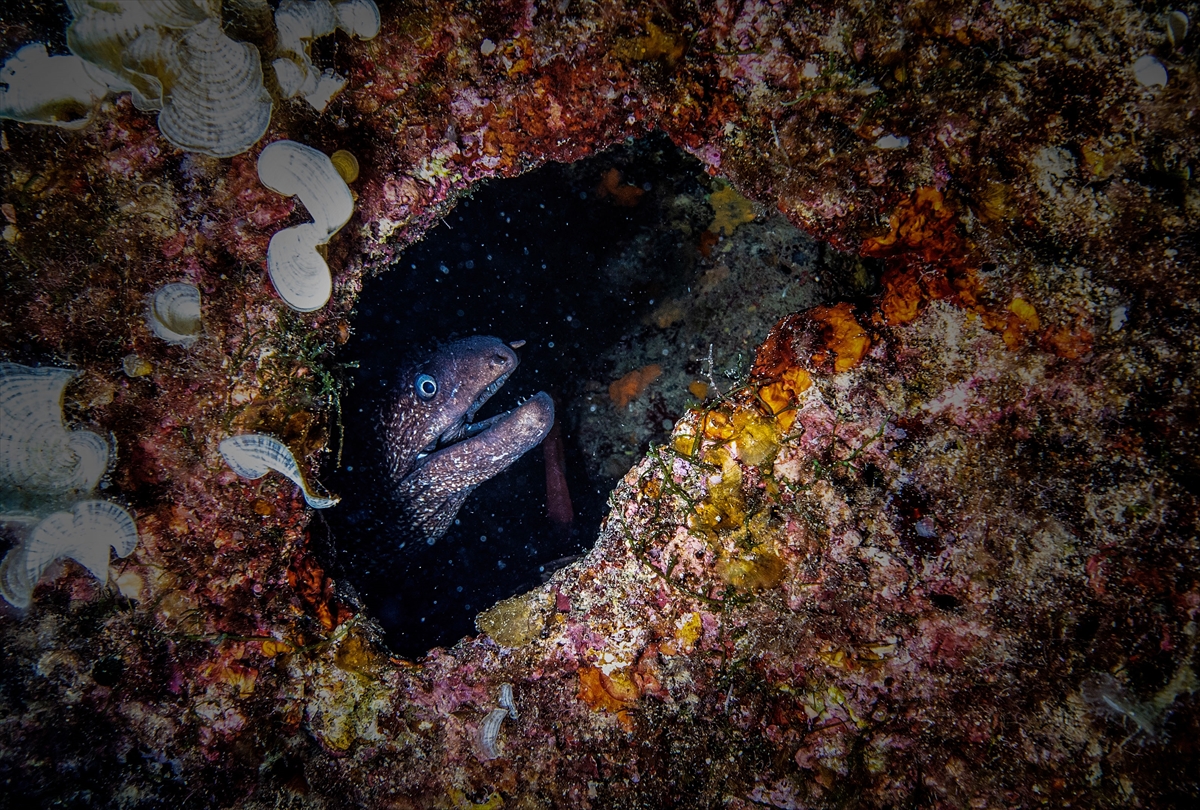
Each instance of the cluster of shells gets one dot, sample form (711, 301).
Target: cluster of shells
(174, 57)
(47, 474)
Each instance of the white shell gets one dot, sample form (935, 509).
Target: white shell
(293, 169)
(101, 32)
(358, 18)
(39, 458)
(44, 89)
(489, 732)
(1150, 72)
(216, 103)
(175, 313)
(298, 23)
(297, 270)
(1177, 28)
(181, 14)
(506, 700)
(252, 455)
(85, 534)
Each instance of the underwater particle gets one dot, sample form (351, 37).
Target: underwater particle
(135, 366)
(1150, 72)
(174, 314)
(892, 142)
(57, 90)
(632, 385)
(215, 102)
(39, 458)
(252, 455)
(489, 732)
(506, 700)
(1177, 28)
(346, 164)
(516, 621)
(730, 210)
(85, 534)
(298, 271)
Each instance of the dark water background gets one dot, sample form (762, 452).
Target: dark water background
(521, 259)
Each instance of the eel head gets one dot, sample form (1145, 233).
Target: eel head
(436, 452)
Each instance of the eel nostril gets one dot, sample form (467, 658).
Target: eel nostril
(500, 360)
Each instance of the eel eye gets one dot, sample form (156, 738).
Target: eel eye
(426, 386)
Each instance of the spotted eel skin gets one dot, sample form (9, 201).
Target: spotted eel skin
(434, 453)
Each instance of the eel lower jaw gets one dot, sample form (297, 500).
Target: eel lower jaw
(525, 425)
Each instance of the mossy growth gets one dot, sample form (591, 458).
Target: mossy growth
(516, 621)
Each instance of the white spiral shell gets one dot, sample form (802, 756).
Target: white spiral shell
(215, 103)
(252, 455)
(489, 732)
(44, 89)
(174, 313)
(39, 458)
(298, 271)
(85, 534)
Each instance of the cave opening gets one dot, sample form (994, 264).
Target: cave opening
(639, 285)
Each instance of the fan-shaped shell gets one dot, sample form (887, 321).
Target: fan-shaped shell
(85, 534)
(44, 89)
(293, 169)
(182, 14)
(489, 732)
(175, 313)
(39, 458)
(298, 271)
(252, 455)
(215, 102)
(358, 18)
(101, 32)
(298, 23)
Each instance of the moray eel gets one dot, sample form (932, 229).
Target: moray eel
(434, 453)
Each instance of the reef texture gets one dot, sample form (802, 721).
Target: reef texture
(939, 549)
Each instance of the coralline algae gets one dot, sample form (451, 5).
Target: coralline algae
(898, 563)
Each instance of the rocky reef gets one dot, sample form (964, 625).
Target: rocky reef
(936, 545)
